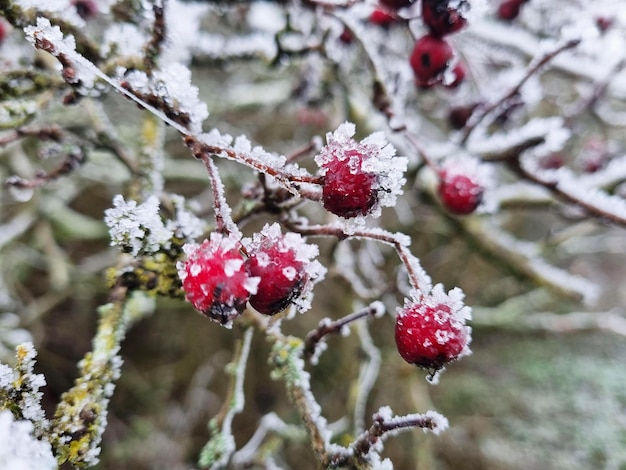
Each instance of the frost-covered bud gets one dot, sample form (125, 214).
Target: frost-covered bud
(462, 184)
(443, 17)
(285, 268)
(430, 58)
(431, 331)
(215, 279)
(359, 177)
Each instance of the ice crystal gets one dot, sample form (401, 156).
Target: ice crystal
(137, 228)
(19, 449)
(173, 86)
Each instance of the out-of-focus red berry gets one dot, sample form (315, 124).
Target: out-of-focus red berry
(440, 18)
(430, 58)
(459, 193)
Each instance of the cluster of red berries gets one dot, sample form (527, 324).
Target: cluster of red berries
(430, 330)
(510, 9)
(219, 280)
(432, 56)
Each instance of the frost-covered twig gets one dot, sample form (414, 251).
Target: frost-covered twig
(417, 276)
(483, 112)
(81, 416)
(327, 326)
(386, 423)
(218, 451)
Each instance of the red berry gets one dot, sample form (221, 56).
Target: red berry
(396, 4)
(86, 9)
(346, 36)
(215, 280)
(430, 335)
(460, 194)
(604, 23)
(284, 265)
(382, 17)
(349, 191)
(430, 58)
(441, 19)
(359, 177)
(282, 276)
(3, 30)
(553, 161)
(509, 10)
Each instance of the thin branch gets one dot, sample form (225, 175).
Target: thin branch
(482, 112)
(327, 327)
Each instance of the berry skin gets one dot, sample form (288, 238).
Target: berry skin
(509, 10)
(382, 18)
(440, 19)
(282, 277)
(460, 194)
(430, 336)
(285, 267)
(215, 279)
(348, 191)
(86, 9)
(430, 58)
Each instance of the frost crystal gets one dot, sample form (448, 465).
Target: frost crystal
(173, 86)
(19, 449)
(23, 385)
(137, 228)
(186, 225)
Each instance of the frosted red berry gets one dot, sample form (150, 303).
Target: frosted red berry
(284, 266)
(359, 178)
(215, 279)
(430, 58)
(430, 336)
(348, 191)
(282, 277)
(460, 194)
(442, 19)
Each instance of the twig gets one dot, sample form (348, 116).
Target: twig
(327, 327)
(482, 112)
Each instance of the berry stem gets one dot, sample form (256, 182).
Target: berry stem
(417, 276)
(223, 220)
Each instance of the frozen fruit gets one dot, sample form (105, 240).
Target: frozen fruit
(442, 19)
(460, 194)
(430, 58)
(215, 279)
(430, 335)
